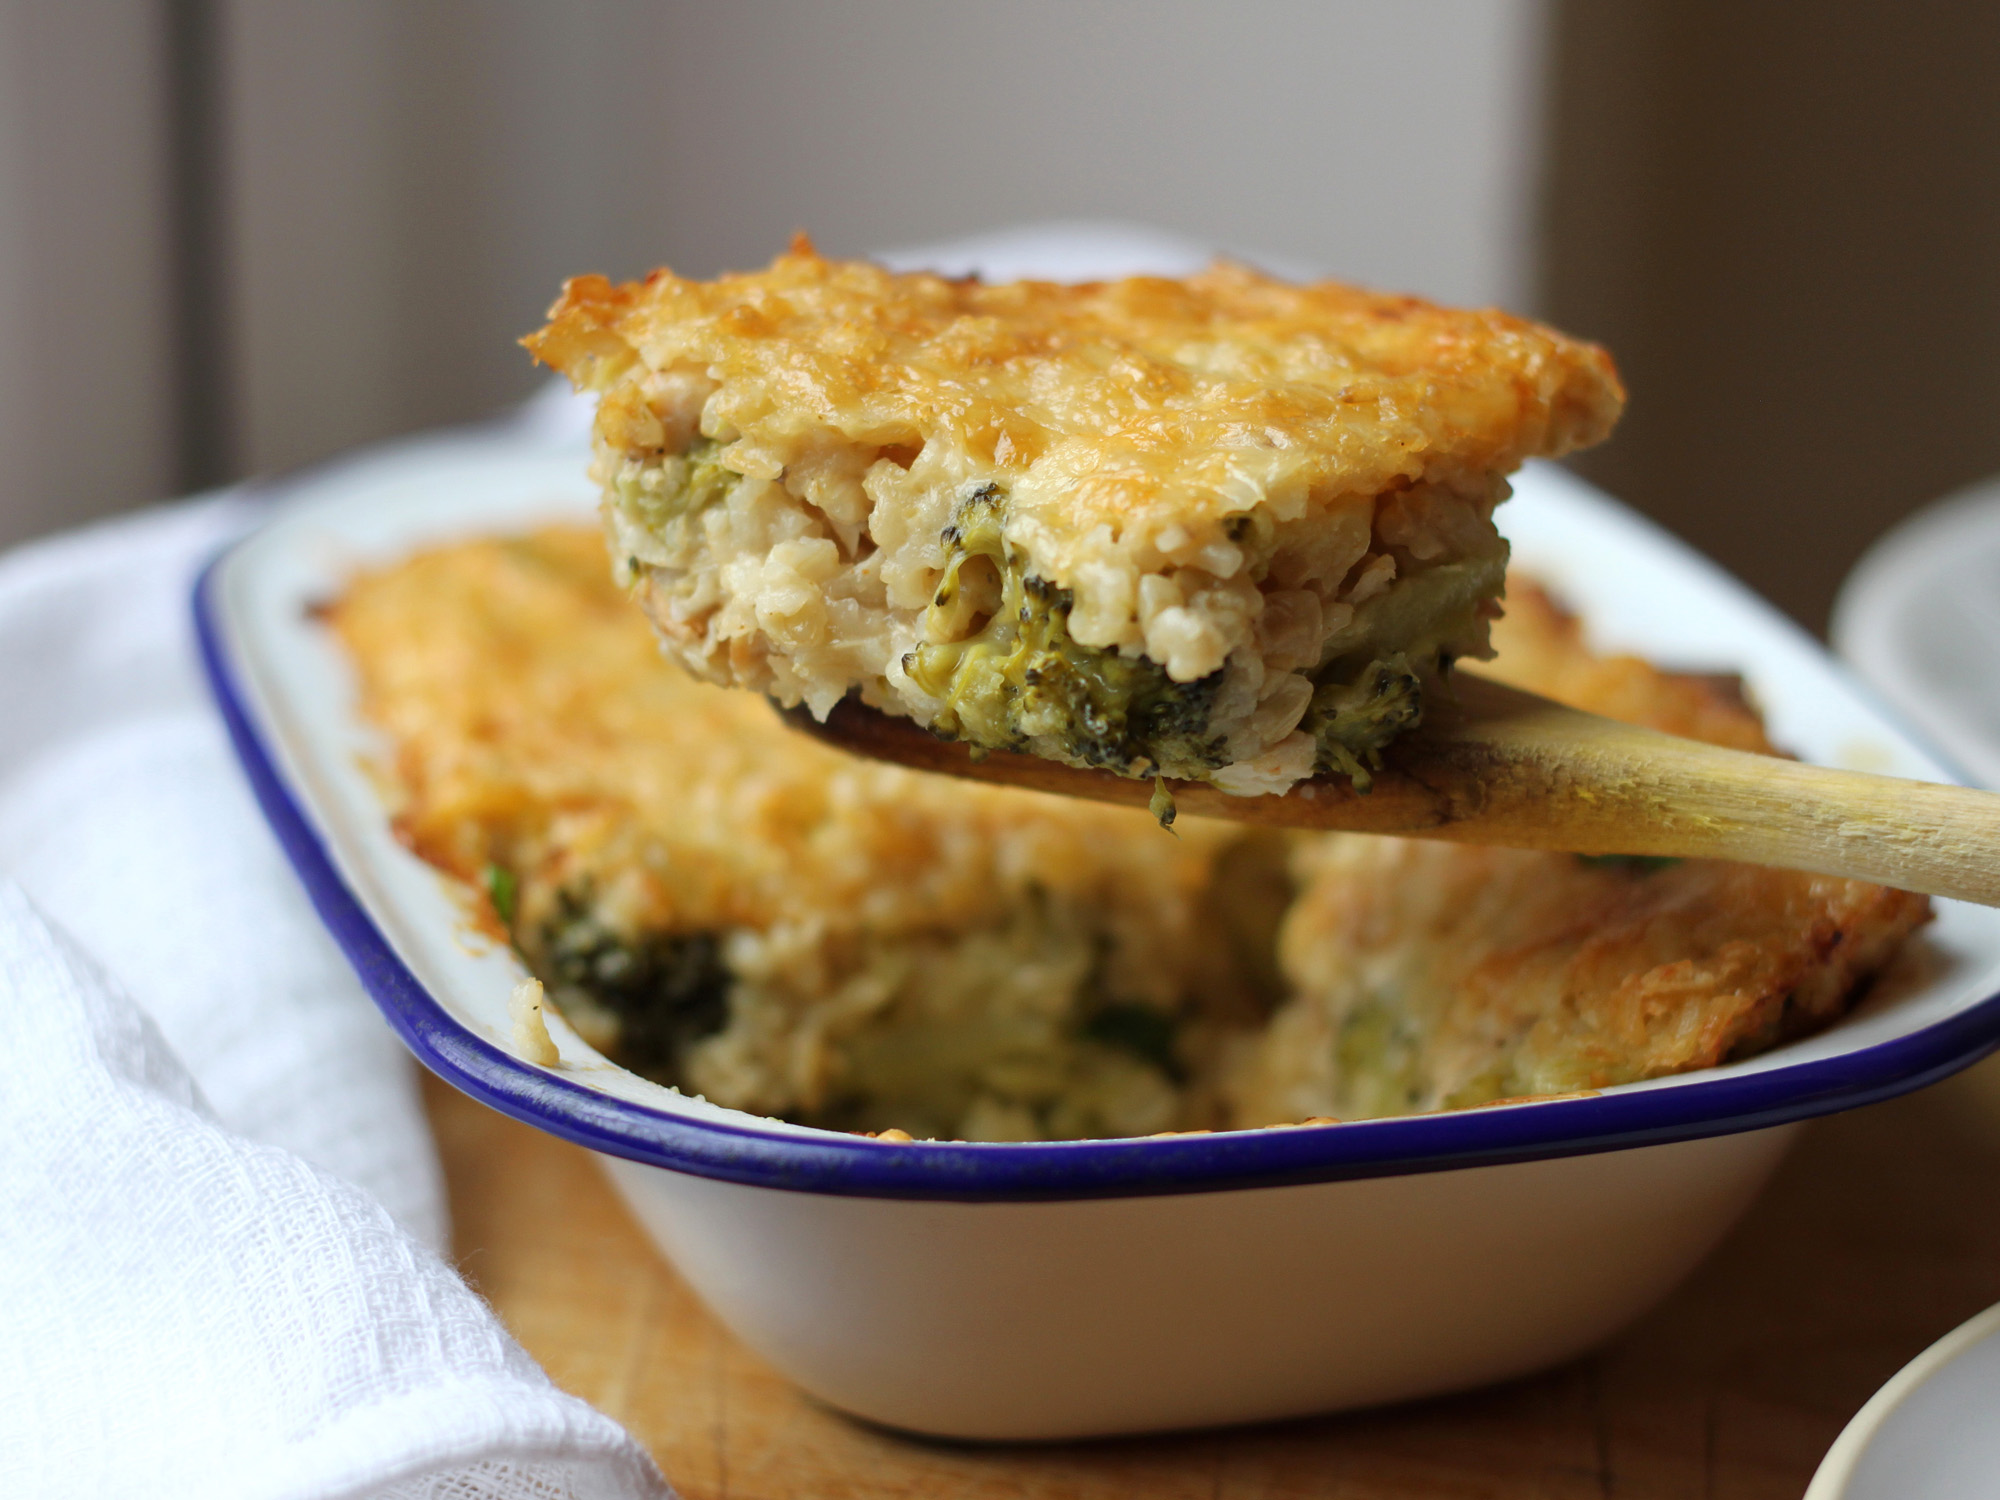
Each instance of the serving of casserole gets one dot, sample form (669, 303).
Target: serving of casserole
(1217, 527)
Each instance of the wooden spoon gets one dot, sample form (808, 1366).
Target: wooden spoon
(1500, 766)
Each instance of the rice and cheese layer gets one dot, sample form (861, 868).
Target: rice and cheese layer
(733, 908)
(1222, 528)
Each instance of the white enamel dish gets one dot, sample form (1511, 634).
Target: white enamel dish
(1058, 1290)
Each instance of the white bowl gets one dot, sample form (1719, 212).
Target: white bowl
(1058, 1290)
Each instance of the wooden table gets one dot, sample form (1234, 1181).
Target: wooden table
(1881, 1232)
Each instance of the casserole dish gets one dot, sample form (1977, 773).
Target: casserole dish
(1064, 1289)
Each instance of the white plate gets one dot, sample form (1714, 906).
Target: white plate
(1931, 1433)
(1920, 619)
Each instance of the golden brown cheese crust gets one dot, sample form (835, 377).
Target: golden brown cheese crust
(1540, 646)
(1098, 403)
(1527, 973)
(1551, 975)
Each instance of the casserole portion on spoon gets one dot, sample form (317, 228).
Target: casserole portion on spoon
(1222, 528)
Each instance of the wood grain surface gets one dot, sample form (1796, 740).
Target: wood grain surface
(1881, 1232)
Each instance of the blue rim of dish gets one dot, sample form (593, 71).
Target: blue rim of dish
(856, 1166)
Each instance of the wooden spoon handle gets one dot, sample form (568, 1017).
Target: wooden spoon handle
(1520, 771)
(1504, 767)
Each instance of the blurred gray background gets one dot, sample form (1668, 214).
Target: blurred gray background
(239, 235)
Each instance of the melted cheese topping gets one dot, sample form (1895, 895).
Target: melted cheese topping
(1169, 403)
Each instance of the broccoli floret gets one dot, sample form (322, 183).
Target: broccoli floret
(1024, 678)
(1352, 720)
(1633, 864)
(1023, 683)
(502, 890)
(667, 991)
(683, 484)
(1139, 1031)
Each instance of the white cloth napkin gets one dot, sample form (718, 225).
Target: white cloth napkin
(220, 1212)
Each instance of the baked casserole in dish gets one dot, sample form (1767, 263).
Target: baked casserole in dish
(729, 907)
(1060, 1288)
